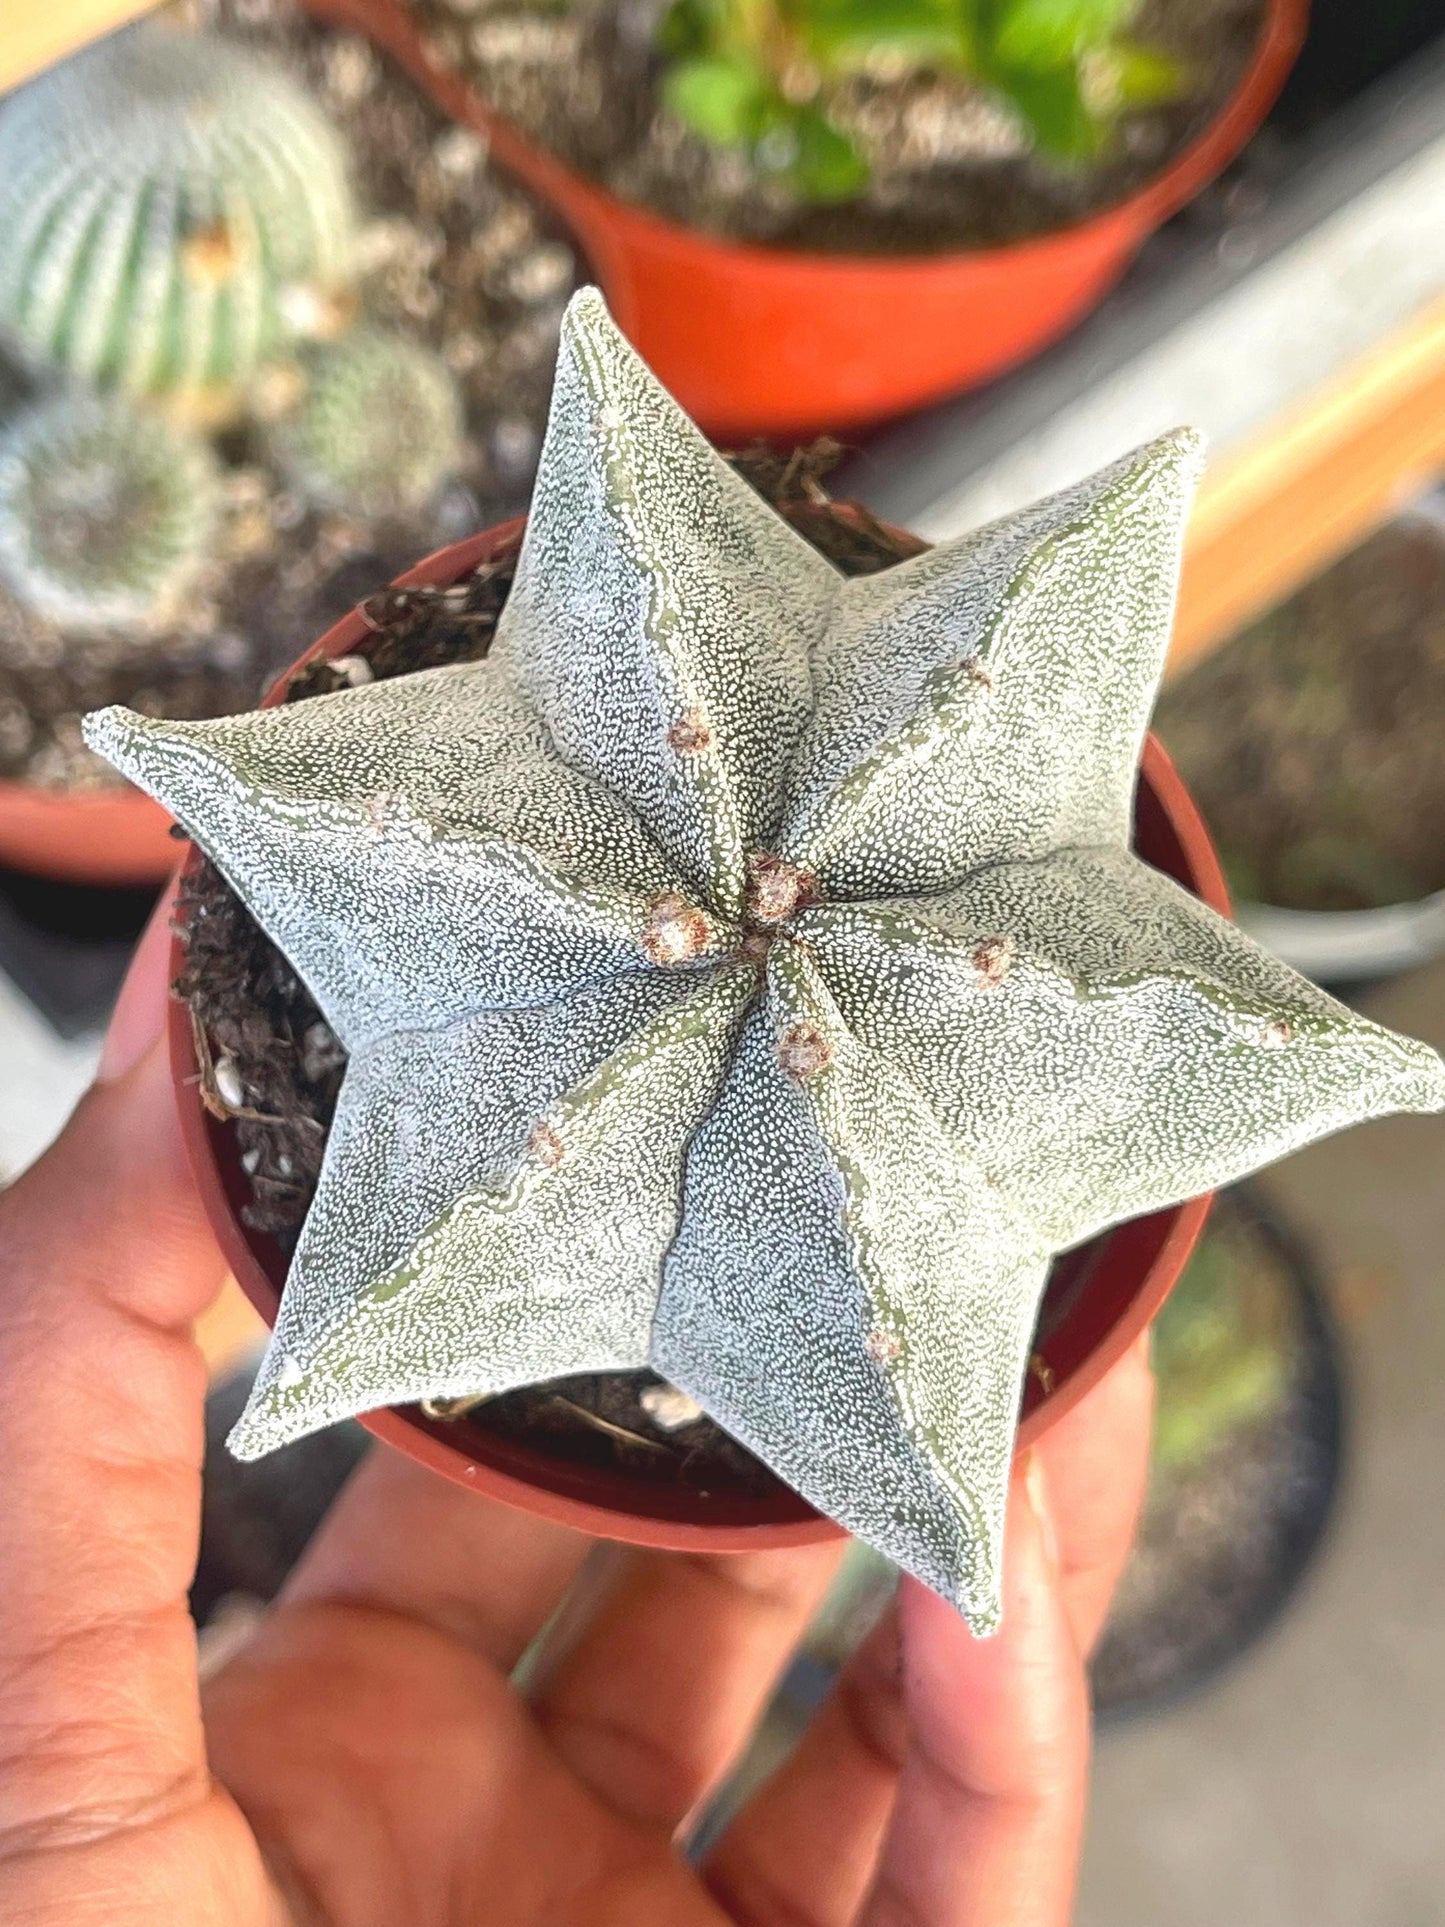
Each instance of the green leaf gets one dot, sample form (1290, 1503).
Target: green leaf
(828, 167)
(688, 29)
(1143, 76)
(1040, 35)
(722, 99)
(1057, 109)
(844, 33)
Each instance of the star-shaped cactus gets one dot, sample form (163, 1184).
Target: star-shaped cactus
(745, 972)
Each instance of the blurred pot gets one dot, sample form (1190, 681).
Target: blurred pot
(775, 341)
(1250, 1418)
(108, 836)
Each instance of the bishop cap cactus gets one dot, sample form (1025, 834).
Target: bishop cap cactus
(379, 428)
(173, 211)
(745, 971)
(106, 512)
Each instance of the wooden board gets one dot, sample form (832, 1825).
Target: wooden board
(36, 33)
(230, 1331)
(1313, 484)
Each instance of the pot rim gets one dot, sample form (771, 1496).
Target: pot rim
(1155, 1249)
(1350, 945)
(565, 188)
(114, 836)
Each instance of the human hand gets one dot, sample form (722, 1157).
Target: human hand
(364, 1760)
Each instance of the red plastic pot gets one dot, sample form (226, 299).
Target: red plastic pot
(773, 341)
(1100, 1297)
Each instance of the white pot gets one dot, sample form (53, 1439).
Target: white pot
(1346, 946)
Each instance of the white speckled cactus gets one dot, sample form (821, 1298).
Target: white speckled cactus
(745, 971)
(378, 430)
(174, 211)
(106, 512)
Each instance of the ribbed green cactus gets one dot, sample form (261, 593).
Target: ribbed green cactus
(745, 972)
(174, 212)
(379, 428)
(106, 512)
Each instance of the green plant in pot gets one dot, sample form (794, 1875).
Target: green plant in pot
(745, 972)
(900, 197)
(756, 75)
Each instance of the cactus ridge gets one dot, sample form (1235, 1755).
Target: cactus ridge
(174, 210)
(746, 973)
(379, 428)
(106, 512)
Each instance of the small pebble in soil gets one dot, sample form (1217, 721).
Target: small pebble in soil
(459, 153)
(354, 670)
(350, 70)
(668, 1408)
(227, 1079)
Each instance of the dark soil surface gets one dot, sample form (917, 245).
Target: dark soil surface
(1314, 741)
(451, 253)
(949, 166)
(257, 1027)
(1227, 1534)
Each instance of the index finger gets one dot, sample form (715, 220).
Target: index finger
(107, 1261)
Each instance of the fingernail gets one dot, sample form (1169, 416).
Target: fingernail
(139, 1016)
(1036, 1491)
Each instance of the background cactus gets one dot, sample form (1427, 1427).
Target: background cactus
(745, 972)
(174, 211)
(106, 512)
(378, 430)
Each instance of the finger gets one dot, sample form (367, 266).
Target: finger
(402, 1540)
(990, 1802)
(1095, 1466)
(107, 1261)
(657, 1698)
(805, 1848)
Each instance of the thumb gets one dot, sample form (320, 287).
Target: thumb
(107, 1262)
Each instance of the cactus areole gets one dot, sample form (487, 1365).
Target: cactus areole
(745, 972)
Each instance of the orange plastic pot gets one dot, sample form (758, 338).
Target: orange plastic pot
(1100, 1297)
(110, 836)
(773, 341)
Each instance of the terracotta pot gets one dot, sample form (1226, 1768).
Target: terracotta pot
(1100, 1297)
(754, 340)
